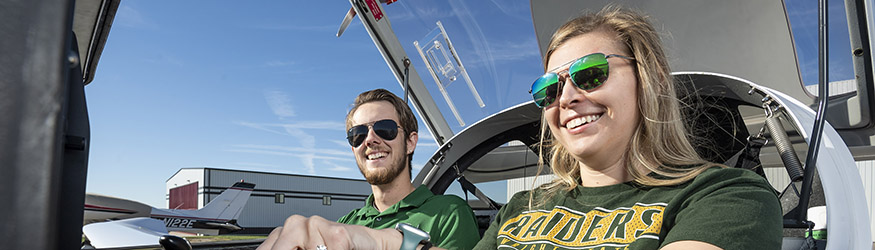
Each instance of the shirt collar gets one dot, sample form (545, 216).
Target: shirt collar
(414, 199)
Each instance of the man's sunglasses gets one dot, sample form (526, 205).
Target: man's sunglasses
(587, 73)
(386, 129)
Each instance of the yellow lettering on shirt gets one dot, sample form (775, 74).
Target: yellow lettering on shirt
(566, 227)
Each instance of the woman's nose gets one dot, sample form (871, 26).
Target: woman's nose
(570, 93)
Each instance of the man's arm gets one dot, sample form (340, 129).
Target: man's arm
(301, 232)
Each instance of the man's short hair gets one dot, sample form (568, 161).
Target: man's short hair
(407, 121)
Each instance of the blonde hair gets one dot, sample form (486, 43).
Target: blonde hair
(659, 143)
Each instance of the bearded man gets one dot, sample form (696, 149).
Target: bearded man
(381, 130)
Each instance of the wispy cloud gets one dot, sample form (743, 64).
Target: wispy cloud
(127, 16)
(306, 139)
(517, 9)
(291, 153)
(163, 58)
(425, 139)
(505, 51)
(279, 63)
(282, 128)
(253, 164)
(296, 27)
(346, 153)
(341, 143)
(417, 166)
(280, 103)
(331, 166)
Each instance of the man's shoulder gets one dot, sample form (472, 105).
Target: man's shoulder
(445, 199)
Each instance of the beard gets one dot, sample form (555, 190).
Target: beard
(385, 176)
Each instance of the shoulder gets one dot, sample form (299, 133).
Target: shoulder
(446, 200)
(722, 177)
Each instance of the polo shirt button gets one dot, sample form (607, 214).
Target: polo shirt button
(379, 218)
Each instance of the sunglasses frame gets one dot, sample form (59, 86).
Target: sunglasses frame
(354, 142)
(542, 101)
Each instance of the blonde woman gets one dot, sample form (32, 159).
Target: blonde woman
(627, 176)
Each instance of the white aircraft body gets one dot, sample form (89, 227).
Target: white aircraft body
(114, 222)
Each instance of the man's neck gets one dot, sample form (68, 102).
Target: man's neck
(388, 194)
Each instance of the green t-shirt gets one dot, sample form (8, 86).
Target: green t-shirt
(448, 219)
(729, 208)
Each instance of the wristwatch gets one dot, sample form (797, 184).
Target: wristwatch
(412, 237)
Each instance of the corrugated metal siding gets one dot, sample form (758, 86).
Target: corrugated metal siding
(303, 195)
(835, 88)
(268, 181)
(525, 183)
(778, 177)
(263, 212)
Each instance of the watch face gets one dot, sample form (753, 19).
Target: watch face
(408, 229)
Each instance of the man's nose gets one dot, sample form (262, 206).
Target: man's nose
(372, 137)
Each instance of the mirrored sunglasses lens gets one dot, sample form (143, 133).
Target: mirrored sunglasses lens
(544, 89)
(386, 129)
(589, 72)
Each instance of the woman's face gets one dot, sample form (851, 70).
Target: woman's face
(595, 126)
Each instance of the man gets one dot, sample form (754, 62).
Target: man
(382, 131)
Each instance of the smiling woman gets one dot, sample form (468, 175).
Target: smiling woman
(627, 175)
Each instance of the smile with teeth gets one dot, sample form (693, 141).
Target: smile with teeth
(576, 122)
(377, 155)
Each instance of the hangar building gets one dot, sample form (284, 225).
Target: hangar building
(276, 196)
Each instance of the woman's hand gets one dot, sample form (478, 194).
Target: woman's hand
(301, 232)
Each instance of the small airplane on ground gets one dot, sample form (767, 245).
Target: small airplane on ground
(113, 222)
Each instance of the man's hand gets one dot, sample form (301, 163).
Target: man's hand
(301, 232)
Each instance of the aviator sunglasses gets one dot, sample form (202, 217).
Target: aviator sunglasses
(587, 73)
(386, 129)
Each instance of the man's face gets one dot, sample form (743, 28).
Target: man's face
(381, 160)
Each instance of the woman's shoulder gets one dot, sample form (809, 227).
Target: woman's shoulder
(726, 173)
(717, 177)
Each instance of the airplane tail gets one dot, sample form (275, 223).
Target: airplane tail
(229, 204)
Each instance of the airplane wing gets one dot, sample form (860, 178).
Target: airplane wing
(125, 233)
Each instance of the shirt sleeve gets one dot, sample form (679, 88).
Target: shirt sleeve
(458, 228)
(346, 218)
(729, 208)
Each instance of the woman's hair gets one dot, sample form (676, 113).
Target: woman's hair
(659, 143)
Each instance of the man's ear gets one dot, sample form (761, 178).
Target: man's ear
(411, 142)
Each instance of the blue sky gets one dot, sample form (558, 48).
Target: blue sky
(266, 86)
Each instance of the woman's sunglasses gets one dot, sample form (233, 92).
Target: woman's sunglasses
(587, 73)
(386, 129)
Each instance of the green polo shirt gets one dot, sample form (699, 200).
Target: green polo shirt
(447, 218)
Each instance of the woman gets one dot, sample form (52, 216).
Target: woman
(627, 176)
